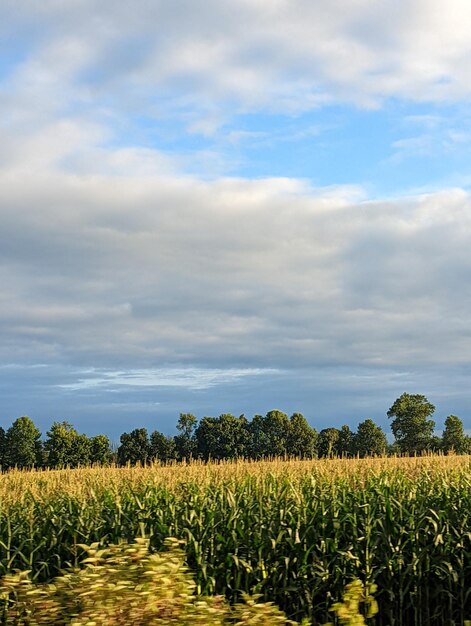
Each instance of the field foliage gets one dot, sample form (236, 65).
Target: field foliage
(293, 531)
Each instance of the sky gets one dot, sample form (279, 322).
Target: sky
(216, 206)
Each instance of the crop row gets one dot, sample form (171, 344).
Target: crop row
(295, 532)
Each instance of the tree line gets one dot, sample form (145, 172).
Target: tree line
(231, 437)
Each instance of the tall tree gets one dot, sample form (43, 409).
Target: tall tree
(23, 447)
(64, 447)
(269, 434)
(208, 438)
(370, 439)
(185, 441)
(257, 437)
(223, 437)
(411, 427)
(134, 448)
(327, 442)
(81, 451)
(454, 438)
(162, 447)
(344, 446)
(100, 450)
(302, 438)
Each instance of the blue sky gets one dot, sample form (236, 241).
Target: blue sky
(233, 206)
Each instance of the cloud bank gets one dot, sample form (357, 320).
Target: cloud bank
(264, 273)
(253, 53)
(129, 257)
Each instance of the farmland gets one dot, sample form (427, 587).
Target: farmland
(294, 531)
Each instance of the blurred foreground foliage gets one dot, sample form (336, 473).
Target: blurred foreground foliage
(127, 584)
(292, 531)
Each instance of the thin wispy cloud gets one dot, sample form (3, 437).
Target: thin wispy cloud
(187, 378)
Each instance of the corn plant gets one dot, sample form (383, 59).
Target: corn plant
(293, 532)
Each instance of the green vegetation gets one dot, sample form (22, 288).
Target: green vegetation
(453, 438)
(294, 532)
(229, 437)
(127, 584)
(410, 426)
(22, 445)
(290, 531)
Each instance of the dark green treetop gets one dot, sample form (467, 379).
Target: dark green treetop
(370, 439)
(162, 447)
(302, 438)
(327, 442)
(454, 438)
(411, 427)
(135, 447)
(23, 444)
(64, 447)
(185, 441)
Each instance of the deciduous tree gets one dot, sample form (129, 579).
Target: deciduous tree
(411, 426)
(344, 446)
(134, 448)
(185, 441)
(302, 438)
(100, 450)
(269, 434)
(64, 447)
(327, 442)
(454, 438)
(223, 437)
(370, 439)
(23, 444)
(162, 447)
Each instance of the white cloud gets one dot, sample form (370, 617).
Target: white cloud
(250, 55)
(108, 251)
(229, 273)
(189, 378)
(111, 257)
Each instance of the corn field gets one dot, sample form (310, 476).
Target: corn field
(293, 531)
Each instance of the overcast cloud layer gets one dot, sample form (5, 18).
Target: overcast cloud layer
(164, 244)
